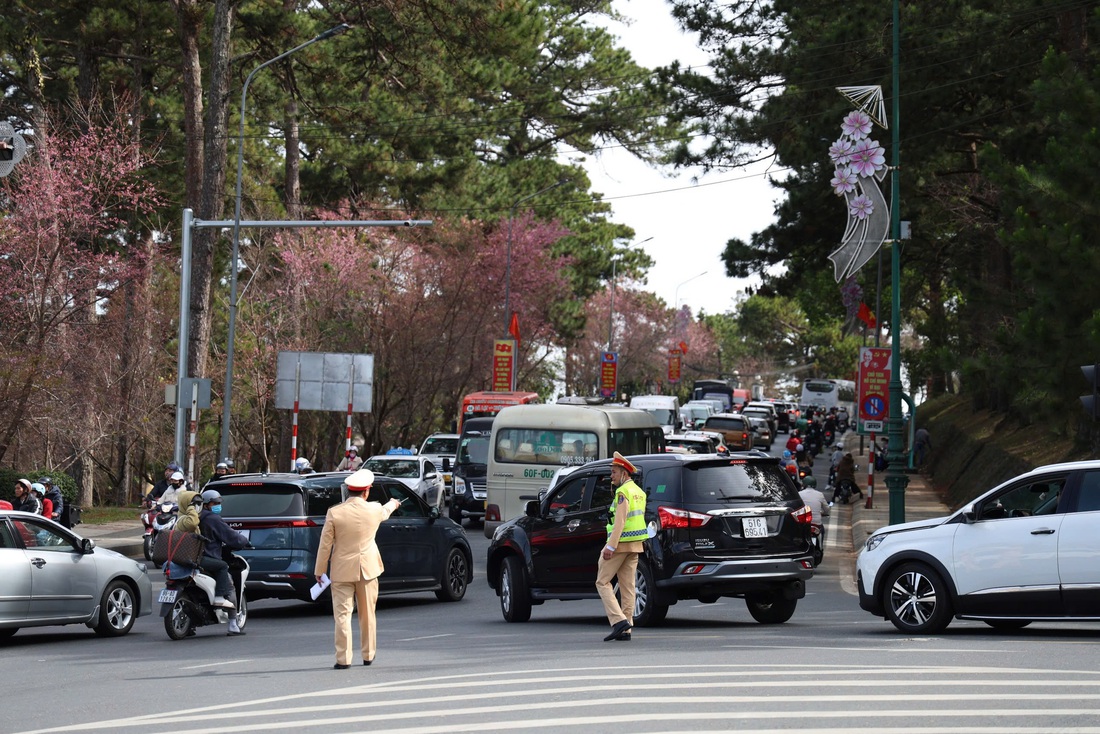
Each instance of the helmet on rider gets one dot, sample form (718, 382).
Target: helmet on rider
(210, 496)
(809, 481)
(786, 454)
(177, 479)
(301, 465)
(221, 468)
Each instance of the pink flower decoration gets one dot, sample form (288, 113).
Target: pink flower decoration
(856, 125)
(861, 207)
(841, 151)
(868, 157)
(844, 181)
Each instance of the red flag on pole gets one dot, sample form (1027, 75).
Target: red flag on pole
(513, 328)
(683, 348)
(866, 316)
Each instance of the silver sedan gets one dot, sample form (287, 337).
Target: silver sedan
(51, 576)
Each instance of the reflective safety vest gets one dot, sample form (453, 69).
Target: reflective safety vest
(635, 528)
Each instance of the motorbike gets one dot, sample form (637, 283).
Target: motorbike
(187, 602)
(844, 491)
(829, 436)
(817, 542)
(155, 518)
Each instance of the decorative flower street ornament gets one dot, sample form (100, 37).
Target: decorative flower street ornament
(12, 148)
(860, 164)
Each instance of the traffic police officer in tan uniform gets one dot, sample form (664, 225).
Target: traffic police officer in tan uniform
(619, 557)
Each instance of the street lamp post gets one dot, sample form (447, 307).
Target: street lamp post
(228, 394)
(896, 480)
(611, 310)
(676, 298)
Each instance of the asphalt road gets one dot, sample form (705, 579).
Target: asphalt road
(459, 667)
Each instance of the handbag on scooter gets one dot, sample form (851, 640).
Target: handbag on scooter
(179, 547)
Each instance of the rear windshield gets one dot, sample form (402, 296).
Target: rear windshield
(474, 449)
(726, 424)
(447, 446)
(400, 468)
(278, 500)
(733, 483)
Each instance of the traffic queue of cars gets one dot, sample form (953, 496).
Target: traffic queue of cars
(721, 525)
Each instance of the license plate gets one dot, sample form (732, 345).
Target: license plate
(167, 596)
(754, 527)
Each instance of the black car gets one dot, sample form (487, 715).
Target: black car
(725, 527)
(282, 515)
(468, 472)
(783, 414)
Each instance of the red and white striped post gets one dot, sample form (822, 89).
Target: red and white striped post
(194, 432)
(871, 473)
(294, 421)
(351, 399)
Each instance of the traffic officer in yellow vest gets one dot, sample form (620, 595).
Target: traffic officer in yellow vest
(619, 557)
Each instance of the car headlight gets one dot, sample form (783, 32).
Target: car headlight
(460, 486)
(141, 567)
(873, 541)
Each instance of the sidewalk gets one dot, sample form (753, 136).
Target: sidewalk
(123, 536)
(921, 500)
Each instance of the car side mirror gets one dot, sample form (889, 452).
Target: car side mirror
(87, 545)
(431, 475)
(434, 513)
(531, 509)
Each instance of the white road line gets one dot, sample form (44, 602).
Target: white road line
(426, 637)
(214, 665)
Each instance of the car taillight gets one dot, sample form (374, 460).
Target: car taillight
(672, 517)
(803, 515)
(492, 513)
(744, 438)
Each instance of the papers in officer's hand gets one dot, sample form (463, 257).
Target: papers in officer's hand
(319, 588)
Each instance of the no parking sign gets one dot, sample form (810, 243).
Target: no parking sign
(873, 389)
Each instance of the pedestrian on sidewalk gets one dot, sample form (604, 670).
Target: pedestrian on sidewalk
(922, 445)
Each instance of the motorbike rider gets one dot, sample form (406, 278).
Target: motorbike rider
(220, 537)
(53, 494)
(153, 498)
(302, 465)
(176, 482)
(230, 467)
(25, 499)
(846, 473)
(815, 500)
(188, 520)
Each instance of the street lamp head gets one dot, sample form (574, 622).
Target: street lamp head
(334, 31)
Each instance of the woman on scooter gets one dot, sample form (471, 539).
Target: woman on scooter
(846, 479)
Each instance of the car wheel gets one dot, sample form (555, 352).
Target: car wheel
(915, 599)
(116, 610)
(770, 608)
(177, 623)
(1007, 624)
(8, 632)
(455, 574)
(648, 609)
(515, 600)
(147, 547)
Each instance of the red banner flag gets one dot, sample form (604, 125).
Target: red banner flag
(683, 348)
(513, 328)
(866, 316)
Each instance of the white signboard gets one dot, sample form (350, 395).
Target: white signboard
(323, 379)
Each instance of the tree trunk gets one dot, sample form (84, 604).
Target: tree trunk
(212, 199)
(190, 14)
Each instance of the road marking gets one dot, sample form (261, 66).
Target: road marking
(214, 665)
(426, 637)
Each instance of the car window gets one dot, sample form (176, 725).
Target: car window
(257, 499)
(440, 446)
(726, 424)
(6, 538)
(546, 446)
(429, 467)
(410, 503)
(568, 498)
(733, 483)
(602, 493)
(322, 494)
(1088, 497)
(1038, 497)
(403, 468)
(39, 537)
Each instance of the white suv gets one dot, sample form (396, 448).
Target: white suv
(1023, 551)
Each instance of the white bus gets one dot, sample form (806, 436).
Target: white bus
(825, 393)
(530, 443)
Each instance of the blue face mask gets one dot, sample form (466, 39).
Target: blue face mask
(217, 509)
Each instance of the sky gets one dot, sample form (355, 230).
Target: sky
(690, 216)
